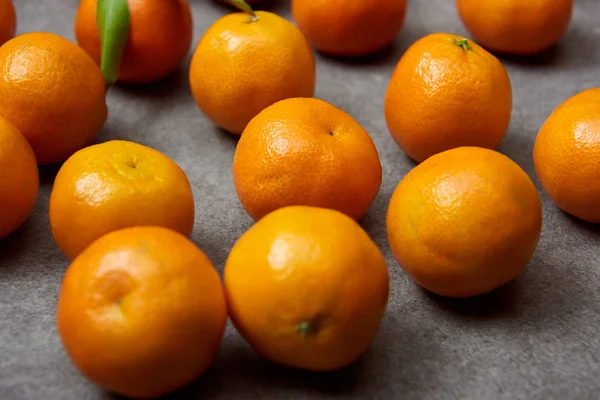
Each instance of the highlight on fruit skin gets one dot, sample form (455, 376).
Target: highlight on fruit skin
(327, 277)
(141, 312)
(245, 63)
(566, 155)
(464, 222)
(516, 26)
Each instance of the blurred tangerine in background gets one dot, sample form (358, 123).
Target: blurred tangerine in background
(8, 20)
(516, 26)
(349, 28)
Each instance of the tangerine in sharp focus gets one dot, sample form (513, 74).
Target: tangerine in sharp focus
(114, 185)
(19, 179)
(516, 26)
(447, 92)
(141, 312)
(243, 65)
(160, 36)
(567, 155)
(349, 28)
(8, 20)
(307, 288)
(464, 222)
(52, 92)
(306, 151)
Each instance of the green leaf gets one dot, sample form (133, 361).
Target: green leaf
(113, 20)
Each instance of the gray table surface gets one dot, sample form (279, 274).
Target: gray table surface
(536, 338)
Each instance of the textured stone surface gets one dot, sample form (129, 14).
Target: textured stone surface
(537, 338)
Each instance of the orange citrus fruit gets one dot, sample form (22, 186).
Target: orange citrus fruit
(464, 222)
(52, 92)
(8, 20)
(114, 185)
(141, 312)
(447, 92)
(307, 288)
(19, 180)
(349, 28)
(160, 36)
(516, 26)
(307, 152)
(242, 66)
(567, 155)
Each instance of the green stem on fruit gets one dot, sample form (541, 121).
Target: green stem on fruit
(305, 328)
(463, 43)
(243, 6)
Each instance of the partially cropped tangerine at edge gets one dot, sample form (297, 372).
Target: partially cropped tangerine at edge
(306, 151)
(19, 179)
(566, 155)
(447, 92)
(141, 312)
(307, 288)
(115, 185)
(464, 222)
(53, 93)
(349, 28)
(8, 20)
(159, 38)
(243, 65)
(516, 26)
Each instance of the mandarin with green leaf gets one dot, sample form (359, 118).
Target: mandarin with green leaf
(158, 40)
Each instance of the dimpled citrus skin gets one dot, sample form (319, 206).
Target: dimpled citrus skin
(141, 312)
(464, 222)
(306, 152)
(307, 288)
(516, 26)
(567, 155)
(442, 96)
(8, 20)
(19, 180)
(349, 28)
(52, 92)
(239, 68)
(159, 39)
(115, 185)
